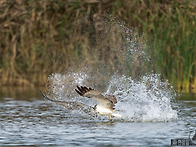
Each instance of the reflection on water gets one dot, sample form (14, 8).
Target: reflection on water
(20, 93)
(30, 120)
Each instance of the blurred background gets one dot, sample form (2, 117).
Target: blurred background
(41, 37)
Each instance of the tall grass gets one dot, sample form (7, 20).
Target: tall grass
(44, 36)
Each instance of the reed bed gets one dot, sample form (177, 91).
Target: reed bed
(45, 36)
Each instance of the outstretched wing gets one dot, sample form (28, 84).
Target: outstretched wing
(107, 101)
(68, 105)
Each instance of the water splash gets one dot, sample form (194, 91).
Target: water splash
(141, 94)
(61, 85)
(146, 100)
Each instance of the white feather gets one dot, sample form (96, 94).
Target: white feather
(103, 110)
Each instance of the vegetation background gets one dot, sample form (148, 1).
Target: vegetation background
(40, 37)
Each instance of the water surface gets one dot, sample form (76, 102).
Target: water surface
(31, 120)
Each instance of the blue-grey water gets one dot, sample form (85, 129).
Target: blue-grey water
(27, 119)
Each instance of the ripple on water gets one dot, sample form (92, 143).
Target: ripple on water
(44, 123)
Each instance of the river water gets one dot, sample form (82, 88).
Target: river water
(28, 119)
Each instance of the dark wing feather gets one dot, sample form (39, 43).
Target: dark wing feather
(82, 90)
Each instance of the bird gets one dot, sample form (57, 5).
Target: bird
(106, 103)
(105, 106)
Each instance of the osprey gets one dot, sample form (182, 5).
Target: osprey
(105, 104)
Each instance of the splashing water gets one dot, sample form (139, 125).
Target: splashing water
(62, 85)
(146, 100)
(142, 96)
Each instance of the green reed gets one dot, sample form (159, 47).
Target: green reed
(175, 45)
(43, 36)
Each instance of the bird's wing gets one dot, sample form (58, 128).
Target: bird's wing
(111, 98)
(68, 105)
(107, 101)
